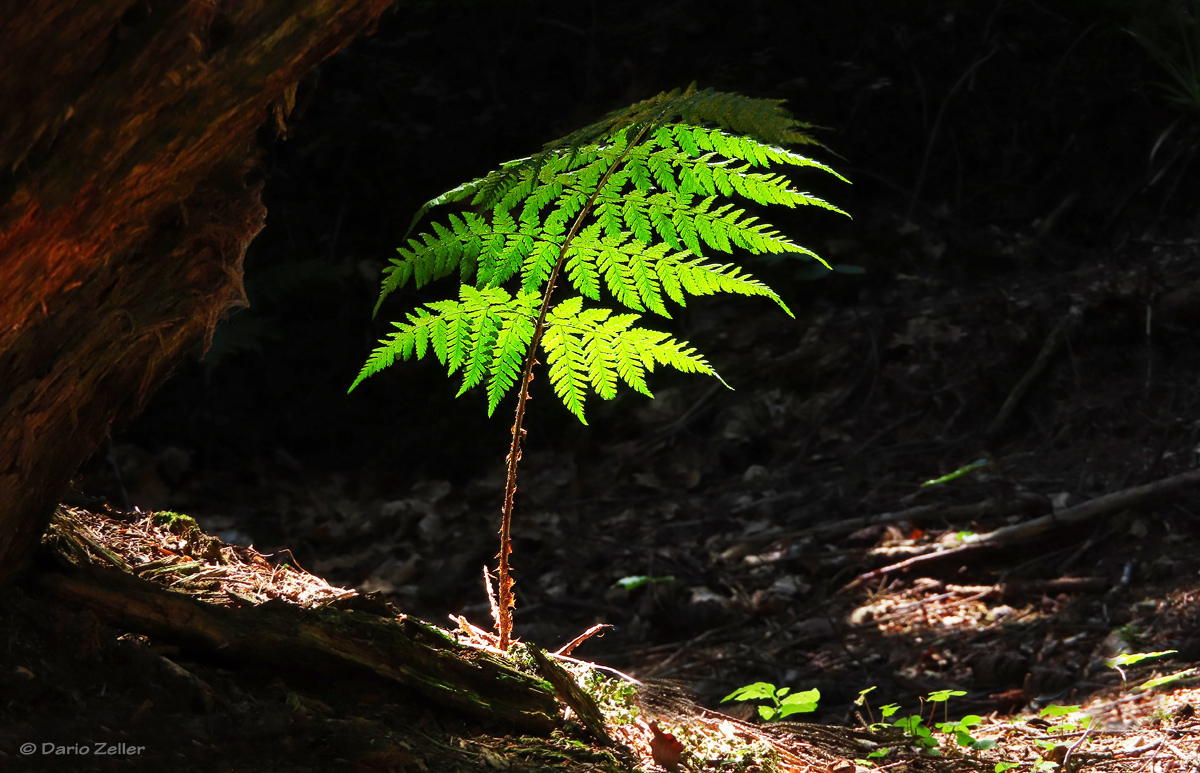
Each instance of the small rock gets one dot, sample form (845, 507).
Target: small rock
(755, 473)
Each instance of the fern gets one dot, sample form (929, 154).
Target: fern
(666, 163)
(631, 208)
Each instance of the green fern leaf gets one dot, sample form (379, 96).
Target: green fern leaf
(634, 215)
(601, 362)
(632, 204)
(457, 341)
(594, 347)
(539, 264)
(639, 173)
(686, 227)
(660, 213)
(641, 262)
(678, 355)
(464, 191)
(481, 317)
(519, 191)
(539, 200)
(568, 206)
(632, 199)
(581, 267)
(512, 344)
(565, 358)
(609, 216)
(612, 263)
(494, 186)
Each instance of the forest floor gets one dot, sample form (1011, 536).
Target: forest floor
(747, 536)
(1029, 308)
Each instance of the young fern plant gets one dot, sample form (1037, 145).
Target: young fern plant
(629, 207)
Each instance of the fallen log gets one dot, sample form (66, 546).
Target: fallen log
(403, 651)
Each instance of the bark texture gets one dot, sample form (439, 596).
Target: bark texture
(331, 644)
(127, 153)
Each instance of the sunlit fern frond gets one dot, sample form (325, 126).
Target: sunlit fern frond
(632, 207)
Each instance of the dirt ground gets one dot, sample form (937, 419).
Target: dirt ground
(1022, 306)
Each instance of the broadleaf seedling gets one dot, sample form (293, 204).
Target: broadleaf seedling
(784, 702)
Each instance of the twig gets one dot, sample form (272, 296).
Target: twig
(491, 595)
(1050, 348)
(570, 646)
(598, 667)
(1029, 530)
(1138, 749)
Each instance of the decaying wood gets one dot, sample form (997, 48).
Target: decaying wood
(127, 202)
(1021, 533)
(326, 642)
(570, 693)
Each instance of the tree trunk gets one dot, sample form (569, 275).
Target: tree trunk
(126, 204)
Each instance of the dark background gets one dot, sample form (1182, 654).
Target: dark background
(968, 118)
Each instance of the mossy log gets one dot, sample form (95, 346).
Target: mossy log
(329, 643)
(127, 200)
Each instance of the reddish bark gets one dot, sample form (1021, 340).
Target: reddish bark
(125, 208)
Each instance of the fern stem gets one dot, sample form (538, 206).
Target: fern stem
(505, 594)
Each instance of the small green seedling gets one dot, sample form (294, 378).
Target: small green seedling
(1150, 684)
(1159, 681)
(1131, 658)
(1060, 711)
(918, 734)
(961, 730)
(961, 471)
(861, 700)
(943, 696)
(633, 582)
(784, 704)
(1135, 657)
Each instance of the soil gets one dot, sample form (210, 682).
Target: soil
(1026, 293)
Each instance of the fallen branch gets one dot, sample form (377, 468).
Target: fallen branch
(1008, 536)
(1022, 504)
